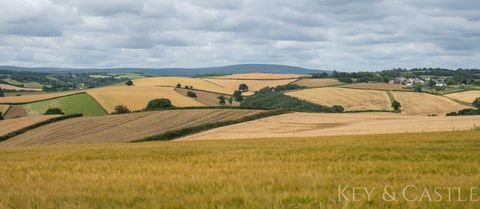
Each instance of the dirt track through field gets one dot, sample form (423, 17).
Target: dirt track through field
(322, 124)
(122, 128)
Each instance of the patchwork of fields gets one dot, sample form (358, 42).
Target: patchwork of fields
(72, 104)
(15, 88)
(34, 97)
(426, 104)
(270, 173)
(315, 83)
(350, 99)
(253, 85)
(465, 96)
(122, 128)
(262, 76)
(11, 125)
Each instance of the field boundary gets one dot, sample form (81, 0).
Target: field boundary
(6, 110)
(98, 103)
(37, 125)
(174, 134)
(42, 100)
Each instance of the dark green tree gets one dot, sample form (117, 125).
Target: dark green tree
(417, 88)
(243, 87)
(396, 105)
(129, 83)
(159, 104)
(237, 96)
(54, 111)
(191, 94)
(1, 93)
(121, 109)
(476, 103)
(221, 100)
(178, 86)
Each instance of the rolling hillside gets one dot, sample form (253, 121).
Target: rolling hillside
(122, 128)
(11, 125)
(426, 104)
(34, 97)
(196, 83)
(72, 104)
(315, 82)
(15, 88)
(465, 96)
(350, 99)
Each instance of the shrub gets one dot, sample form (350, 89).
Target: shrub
(476, 103)
(288, 87)
(121, 109)
(221, 100)
(129, 83)
(465, 112)
(243, 87)
(178, 85)
(192, 94)
(417, 88)
(159, 104)
(396, 105)
(237, 96)
(54, 111)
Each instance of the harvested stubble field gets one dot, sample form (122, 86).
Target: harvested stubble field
(16, 88)
(377, 86)
(317, 82)
(206, 98)
(322, 124)
(249, 174)
(196, 83)
(414, 103)
(263, 76)
(34, 97)
(11, 125)
(72, 104)
(137, 97)
(350, 99)
(466, 96)
(122, 128)
(253, 85)
(4, 108)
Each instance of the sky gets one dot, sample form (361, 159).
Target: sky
(319, 34)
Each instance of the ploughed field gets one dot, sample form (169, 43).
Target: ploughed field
(11, 125)
(296, 125)
(122, 128)
(270, 173)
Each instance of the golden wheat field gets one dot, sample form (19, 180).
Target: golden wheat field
(137, 97)
(206, 98)
(4, 108)
(414, 103)
(466, 96)
(16, 88)
(250, 174)
(11, 125)
(317, 82)
(262, 76)
(34, 97)
(350, 99)
(376, 86)
(122, 128)
(253, 85)
(196, 83)
(327, 124)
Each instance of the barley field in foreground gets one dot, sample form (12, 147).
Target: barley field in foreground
(262, 173)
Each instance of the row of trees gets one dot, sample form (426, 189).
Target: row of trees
(469, 111)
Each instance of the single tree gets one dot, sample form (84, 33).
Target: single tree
(191, 94)
(237, 96)
(121, 109)
(476, 103)
(186, 87)
(243, 87)
(432, 83)
(396, 105)
(230, 100)
(178, 86)
(221, 100)
(129, 83)
(159, 104)
(1, 93)
(191, 87)
(54, 111)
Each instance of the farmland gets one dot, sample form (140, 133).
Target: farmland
(315, 82)
(206, 98)
(7, 126)
(377, 86)
(122, 128)
(4, 108)
(78, 103)
(262, 76)
(15, 88)
(261, 173)
(350, 99)
(34, 97)
(296, 125)
(426, 104)
(196, 83)
(465, 96)
(137, 97)
(253, 85)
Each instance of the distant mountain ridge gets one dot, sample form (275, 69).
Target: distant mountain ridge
(231, 69)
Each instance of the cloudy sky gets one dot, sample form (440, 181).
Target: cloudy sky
(321, 34)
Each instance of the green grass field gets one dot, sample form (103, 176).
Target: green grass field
(78, 103)
(263, 173)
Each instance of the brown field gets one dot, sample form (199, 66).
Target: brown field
(350, 99)
(466, 96)
(377, 86)
(15, 88)
(11, 125)
(33, 97)
(196, 83)
(253, 85)
(137, 97)
(15, 111)
(322, 124)
(4, 108)
(320, 82)
(122, 128)
(262, 76)
(206, 98)
(426, 104)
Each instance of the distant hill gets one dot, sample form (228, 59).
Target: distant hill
(232, 69)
